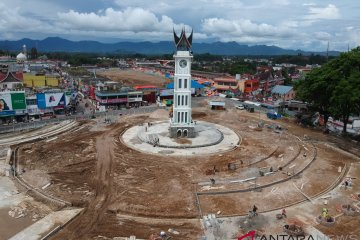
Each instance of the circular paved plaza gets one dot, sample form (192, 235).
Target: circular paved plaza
(154, 138)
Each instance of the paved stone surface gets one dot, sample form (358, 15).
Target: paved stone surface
(47, 224)
(208, 133)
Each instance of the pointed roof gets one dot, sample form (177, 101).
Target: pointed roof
(11, 77)
(183, 42)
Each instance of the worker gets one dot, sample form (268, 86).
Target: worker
(212, 181)
(283, 213)
(254, 210)
(325, 213)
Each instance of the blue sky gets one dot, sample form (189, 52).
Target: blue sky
(295, 24)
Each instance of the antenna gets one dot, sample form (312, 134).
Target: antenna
(327, 52)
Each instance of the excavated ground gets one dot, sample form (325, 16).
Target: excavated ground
(125, 192)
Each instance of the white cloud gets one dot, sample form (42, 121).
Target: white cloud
(323, 36)
(309, 4)
(13, 21)
(285, 23)
(244, 29)
(130, 19)
(329, 12)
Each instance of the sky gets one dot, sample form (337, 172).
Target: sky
(291, 24)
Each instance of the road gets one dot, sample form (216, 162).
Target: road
(37, 124)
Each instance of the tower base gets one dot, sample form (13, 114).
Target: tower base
(182, 131)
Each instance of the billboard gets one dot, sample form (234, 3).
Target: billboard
(70, 96)
(10, 102)
(46, 100)
(170, 92)
(109, 101)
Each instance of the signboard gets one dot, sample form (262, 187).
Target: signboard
(114, 100)
(12, 101)
(170, 92)
(166, 92)
(46, 100)
(69, 96)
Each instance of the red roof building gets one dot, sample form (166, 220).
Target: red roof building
(10, 80)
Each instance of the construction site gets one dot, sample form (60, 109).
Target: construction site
(89, 180)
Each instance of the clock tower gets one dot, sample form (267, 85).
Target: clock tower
(181, 122)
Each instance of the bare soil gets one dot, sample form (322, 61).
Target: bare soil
(132, 78)
(125, 192)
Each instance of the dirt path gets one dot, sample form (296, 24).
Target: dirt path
(84, 224)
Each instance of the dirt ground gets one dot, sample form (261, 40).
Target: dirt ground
(125, 192)
(132, 78)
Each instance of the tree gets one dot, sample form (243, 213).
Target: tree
(316, 90)
(33, 53)
(335, 87)
(346, 98)
(287, 79)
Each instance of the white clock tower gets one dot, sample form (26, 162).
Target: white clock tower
(181, 123)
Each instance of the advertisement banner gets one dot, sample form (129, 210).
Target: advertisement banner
(170, 92)
(10, 102)
(18, 101)
(108, 101)
(166, 92)
(46, 100)
(5, 102)
(70, 96)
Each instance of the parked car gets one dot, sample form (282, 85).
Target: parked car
(240, 107)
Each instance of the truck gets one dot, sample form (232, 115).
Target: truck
(273, 115)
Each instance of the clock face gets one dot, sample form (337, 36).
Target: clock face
(183, 63)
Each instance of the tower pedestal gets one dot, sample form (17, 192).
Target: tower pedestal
(182, 131)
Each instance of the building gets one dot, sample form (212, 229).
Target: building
(41, 80)
(181, 122)
(11, 80)
(251, 85)
(12, 105)
(112, 94)
(223, 84)
(285, 93)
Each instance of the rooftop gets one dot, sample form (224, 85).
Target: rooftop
(281, 89)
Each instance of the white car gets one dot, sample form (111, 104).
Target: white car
(241, 107)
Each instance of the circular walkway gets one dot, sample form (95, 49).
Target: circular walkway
(211, 138)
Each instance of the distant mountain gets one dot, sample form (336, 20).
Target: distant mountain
(56, 44)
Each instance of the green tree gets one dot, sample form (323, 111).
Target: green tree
(346, 98)
(335, 87)
(285, 74)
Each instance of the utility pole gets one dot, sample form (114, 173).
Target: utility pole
(327, 52)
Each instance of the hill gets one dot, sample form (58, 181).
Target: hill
(56, 44)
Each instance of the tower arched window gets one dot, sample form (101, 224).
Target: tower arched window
(180, 80)
(182, 100)
(186, 100)
(185, 83)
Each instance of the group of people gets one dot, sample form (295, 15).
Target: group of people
(326, 216)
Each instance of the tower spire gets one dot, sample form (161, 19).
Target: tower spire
(183, 43)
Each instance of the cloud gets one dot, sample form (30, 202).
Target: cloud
(131, 19)
(244, 29)
(285, 23)
(309, 4)
(323, 36)
(329, 12)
